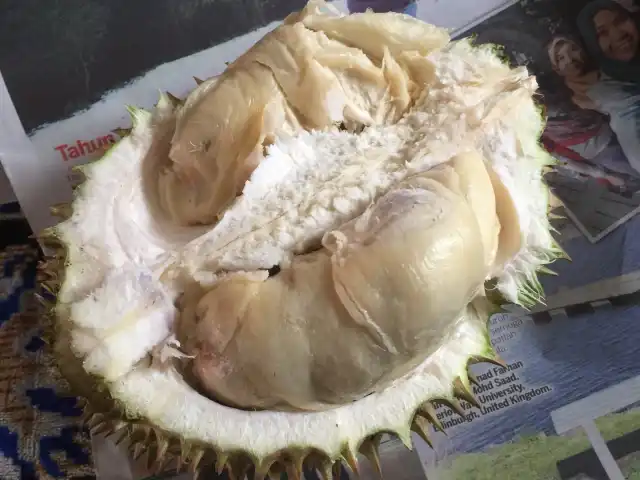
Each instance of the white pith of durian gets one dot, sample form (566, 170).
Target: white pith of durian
(127, 259)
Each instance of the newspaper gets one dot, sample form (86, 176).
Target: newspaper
(565, 405)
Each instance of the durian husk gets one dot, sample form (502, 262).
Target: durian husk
(162, 450)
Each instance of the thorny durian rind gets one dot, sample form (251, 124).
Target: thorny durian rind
(129, 239)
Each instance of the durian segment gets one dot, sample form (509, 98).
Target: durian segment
(311, 74)
(335, 326)
(166, 400)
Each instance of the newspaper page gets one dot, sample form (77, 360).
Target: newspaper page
(565, 405)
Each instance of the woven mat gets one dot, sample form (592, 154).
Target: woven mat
(40, 433)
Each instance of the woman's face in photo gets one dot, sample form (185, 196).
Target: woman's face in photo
(618, 35)
(569, 59)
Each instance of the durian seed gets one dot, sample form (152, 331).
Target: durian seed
(61, 210)
(421, 427)
(428, 411)
(369, 449)
(464, 393)
(198, 81)
(196, 458)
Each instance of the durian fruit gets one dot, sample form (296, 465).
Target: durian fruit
(303, 254)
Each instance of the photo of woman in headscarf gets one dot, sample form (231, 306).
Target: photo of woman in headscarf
(611, 35)
(584, 135)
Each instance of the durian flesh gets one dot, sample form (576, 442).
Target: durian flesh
(391, 174)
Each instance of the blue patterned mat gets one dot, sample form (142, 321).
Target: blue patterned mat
(40, 433)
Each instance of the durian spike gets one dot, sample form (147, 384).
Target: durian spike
(122, 132)
(181, 459)
(198, 80)
(237, 469)
(262, 469)
(61, 210)
(492, 359)
(404, 435)
(154, 461)
(146, 431)
(547, 271)
(454, 405)
(472, 378)
(196, 458)
(81, 402)
(138, 450)
(369, 449)
(46, 276)
(271, 475)
(421, 427)
(47, 265)
(48, 235)
(296, 465)
(428, 411)
(292, 472)
(221, 462)
(48, 287)
(174, 100)
(325, 470)
(336, 470)
(120, 434)
(352, 460)
(42, 301)
(86, 417)
(277, 470)
(101, 429)
(47, 338)
(464, 393)
(162, 443)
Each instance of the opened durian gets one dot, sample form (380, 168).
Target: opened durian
(303, 254)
